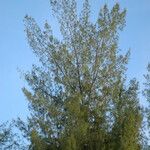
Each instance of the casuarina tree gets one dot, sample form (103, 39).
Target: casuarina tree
(78, 97)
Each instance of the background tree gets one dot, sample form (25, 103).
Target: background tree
(78, 97)
(8, 140)
(146, 93)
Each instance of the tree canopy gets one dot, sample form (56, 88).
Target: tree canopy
(78, 97)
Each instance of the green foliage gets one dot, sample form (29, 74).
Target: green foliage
(146, 93)
(78, 98)
(8, 140)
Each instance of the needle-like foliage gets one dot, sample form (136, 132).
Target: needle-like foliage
(78, 98)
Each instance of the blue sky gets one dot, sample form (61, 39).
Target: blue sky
(15, 52)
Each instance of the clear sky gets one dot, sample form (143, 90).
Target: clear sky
(15, 52)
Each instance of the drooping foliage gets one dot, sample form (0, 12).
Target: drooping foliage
(78, 98)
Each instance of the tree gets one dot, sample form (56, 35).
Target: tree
(7, 137)
(78, 98)
(146, 93)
